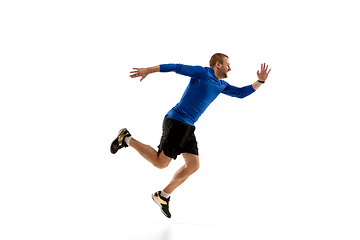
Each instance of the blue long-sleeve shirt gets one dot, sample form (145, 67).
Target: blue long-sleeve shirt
(202, 90)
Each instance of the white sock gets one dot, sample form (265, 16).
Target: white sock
(127, 140)
(164, 194)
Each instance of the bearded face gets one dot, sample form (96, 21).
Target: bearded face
(225, 68)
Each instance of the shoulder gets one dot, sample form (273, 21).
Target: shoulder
(209, 70)
(197, 71)
(224, 82)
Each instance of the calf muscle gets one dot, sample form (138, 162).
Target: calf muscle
(150, 154)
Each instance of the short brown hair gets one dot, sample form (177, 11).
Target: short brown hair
(217, 57)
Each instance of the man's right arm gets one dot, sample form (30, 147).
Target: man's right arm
(143, 72)
(185, 70)
(190, 71)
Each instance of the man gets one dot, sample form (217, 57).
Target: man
(178, 127)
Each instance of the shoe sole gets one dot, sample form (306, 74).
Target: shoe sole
(117, 138)
(159, 204)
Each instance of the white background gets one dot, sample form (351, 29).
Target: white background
(280, 164)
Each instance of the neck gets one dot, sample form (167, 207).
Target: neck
(217, 74)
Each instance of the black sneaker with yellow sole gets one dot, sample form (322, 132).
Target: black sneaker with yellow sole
(119, 141)
(162, 202)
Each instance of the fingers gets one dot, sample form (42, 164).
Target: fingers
(139, 72)
(264, 68)
(263, 74)
(136, 73)
(136, 70)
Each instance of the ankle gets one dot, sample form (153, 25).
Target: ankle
(165, 194)
(127, 140)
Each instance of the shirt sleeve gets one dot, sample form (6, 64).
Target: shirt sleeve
(238, 92)
(186, 70)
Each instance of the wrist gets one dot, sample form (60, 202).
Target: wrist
(260, 81)
(256, 85)
(152, 69)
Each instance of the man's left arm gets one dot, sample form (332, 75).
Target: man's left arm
(233, 91)
(262, 76)
(246, 91)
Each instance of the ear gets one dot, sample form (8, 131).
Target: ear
(217, 64)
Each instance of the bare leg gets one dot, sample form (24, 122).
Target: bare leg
(158, 160)
(192, 164)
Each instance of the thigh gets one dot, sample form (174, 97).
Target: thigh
(174, 138)
(191, 146)
(176, 133)
(191, 160)
(164, 160)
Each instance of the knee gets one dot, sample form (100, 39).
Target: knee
(197, 167)
(161, 165)
(194, 167)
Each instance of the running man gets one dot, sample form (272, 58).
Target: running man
(178, 135)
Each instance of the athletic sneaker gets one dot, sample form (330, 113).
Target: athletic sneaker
(162, 202)
(119, 141)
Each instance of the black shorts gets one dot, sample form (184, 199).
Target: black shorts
(177, 138)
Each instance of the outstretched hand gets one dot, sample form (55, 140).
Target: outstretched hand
(263, 74)
(139, 72)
